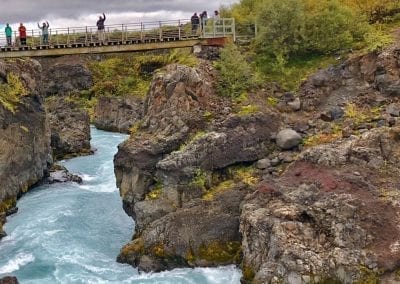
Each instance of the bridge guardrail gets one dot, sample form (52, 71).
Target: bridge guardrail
(144, 32)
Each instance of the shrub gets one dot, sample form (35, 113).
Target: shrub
(235, 74)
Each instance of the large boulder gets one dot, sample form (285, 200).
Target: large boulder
(118, 114)
(65, 75)
(288, 139)
(70, 128)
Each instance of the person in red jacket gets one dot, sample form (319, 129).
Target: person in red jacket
(22, 34)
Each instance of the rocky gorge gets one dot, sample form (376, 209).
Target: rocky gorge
(293, 187)
(299, 191)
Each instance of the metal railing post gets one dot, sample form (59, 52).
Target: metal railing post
(161, 32)
(214, 27)
(234, 29)
(33, 38)
(179, 29)
(91, 35)
(141, 32)
(122, 33)
(86, 35)
(67, 36)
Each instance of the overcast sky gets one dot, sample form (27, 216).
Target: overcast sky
(75, 13)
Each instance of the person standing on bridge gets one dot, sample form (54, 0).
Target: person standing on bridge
(100, 28)
(195, 21)
(22, 34)
(45, 32)
(8, 31)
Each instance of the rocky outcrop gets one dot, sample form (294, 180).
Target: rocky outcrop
(24, 133)
(165, 172)
(118, 114)
(332, 215)
(9, 280)
(65, 75)
(70, 128)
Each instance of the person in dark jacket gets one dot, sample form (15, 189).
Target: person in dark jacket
(22, 34)
(45, 32)
(100, 28)
(203, 19)
(195, 21)
(8, 31)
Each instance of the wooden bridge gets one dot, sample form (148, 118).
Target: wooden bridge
(120, 38)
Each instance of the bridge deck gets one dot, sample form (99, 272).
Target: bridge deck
(120, 38)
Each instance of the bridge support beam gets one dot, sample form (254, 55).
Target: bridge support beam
(113, 48)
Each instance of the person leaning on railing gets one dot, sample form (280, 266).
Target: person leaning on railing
(8, 32)
(22, 34)
(100, 28)
(45, 32)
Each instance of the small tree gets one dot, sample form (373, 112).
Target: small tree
(235, 74)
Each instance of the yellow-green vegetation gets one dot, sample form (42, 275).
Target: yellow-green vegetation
(24, 128)
(193, 138)
(156, 192)
(272, 101)
(248, 109)
(199, 179)
(11, 92)
(7, 204)
(83, 99)
(135, 128)
(297, 37)
(323, 138)
(158, 250)
(360, 115)
(223, 186)
(248, 273)
(244, 174)
(235, 74)
(219, 252)
(134, 247)
(131, 74)
(368, 276)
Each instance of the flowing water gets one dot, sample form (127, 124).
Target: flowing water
(70, 233)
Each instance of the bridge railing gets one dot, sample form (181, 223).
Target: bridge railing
(121, 34)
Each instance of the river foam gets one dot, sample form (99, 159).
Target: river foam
(71, 233)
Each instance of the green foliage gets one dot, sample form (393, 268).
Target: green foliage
(248, 109)
(131, 74)
(11, 91)
(235, 73)
(223, 186)
(296, 37)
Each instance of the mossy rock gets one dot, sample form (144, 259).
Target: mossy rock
(136, 247)
(7, 204)
(218, 252)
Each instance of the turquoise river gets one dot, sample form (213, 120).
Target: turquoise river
(71, 233)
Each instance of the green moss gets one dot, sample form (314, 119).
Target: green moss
(368, 276)
(158, 250)
(272, 101)
(199, 179)
(155, 193)
(223, 186)
(244, 174)
(248, 109)
(134, 130)
(136, 247)
(219, 252)
(208, 115)
(248, 273)
(11, 92)
(7, 204)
